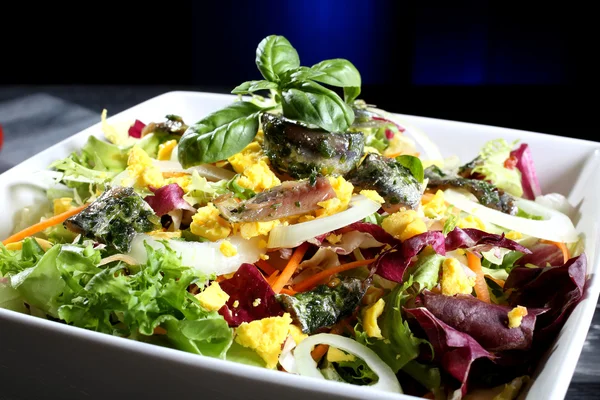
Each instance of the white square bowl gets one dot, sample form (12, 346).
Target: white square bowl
(45, 359)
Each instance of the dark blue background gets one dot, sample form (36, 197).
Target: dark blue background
(523, 65)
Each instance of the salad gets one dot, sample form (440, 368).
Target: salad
(304, 230)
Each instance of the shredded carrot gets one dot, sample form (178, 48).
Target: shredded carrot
(40, 226)
(498, 282)
(290, 268)
(561, 246)
(272, 278)
(321, 349)
(160, 331)
(481, 288)
(289, 292)
(394, 155)
(265, 267)
(309, 283)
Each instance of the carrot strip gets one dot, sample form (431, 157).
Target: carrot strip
(40, 226)
(289, 292)
(481, 288)
(321, 349)
(309, 283)
(272, 278)
(394, 155)
(498, 282)
(174, 174)
(265, 267)
(290, 268)
(561, 246)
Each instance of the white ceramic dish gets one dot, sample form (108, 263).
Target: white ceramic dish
(44, 359)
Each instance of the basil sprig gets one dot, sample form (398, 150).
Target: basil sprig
(296, 89)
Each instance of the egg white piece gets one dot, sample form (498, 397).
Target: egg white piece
(206, 257)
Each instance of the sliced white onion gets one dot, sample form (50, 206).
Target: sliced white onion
(558, 202)
(305, 365)
(293, 235)
(429, 147)
(208, 171)
(206, 257)
(286, 358)
(118, 257)
(555, 225)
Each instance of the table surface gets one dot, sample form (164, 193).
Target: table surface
(42, 116)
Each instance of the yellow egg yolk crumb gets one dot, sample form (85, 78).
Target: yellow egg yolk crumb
(436, 206)
(373, 195)
(253, 165)
(369, 319)
(337, 355)
(515, 316)
(514, 235)
(166, 149)
(208, 223)
(213, 297)
(62, 205)
(404, 224)
(454, 279)
(227, 248)
(265, 336)
(343, 194)
(142, 173)
(471, 222)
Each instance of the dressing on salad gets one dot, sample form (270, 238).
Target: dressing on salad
(300, 229)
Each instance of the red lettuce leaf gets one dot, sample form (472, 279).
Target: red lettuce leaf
(542, 255)
(393, 262)
(246, 286)
(529, 179)
(454, 350)
(557, 288)
(471, 237)
(135, 130)
(374, 230)
(167, 199)
(486, 323)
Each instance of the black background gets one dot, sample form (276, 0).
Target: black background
(525, 65)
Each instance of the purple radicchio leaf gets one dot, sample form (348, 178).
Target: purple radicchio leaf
(167, 198)
(247, 285)
(393, 262)
(470, 237)
(486, 323)
(529, 179)
(454, 350)
(543, 255)
(557, 288)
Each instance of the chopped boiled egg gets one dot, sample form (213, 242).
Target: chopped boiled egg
(343, 194)
(514, 235)
(227, 248)
(265, 336)
(454, 279)
(337, 355)
(165, 149)
(62, 205)
(515, 316)
(373, 195)
(208, 223)
(404, 224)
(213, 297)
(142, 172)
(435, 207)
(253, 165)
(252, 229)
(369, 318)
(470, 221)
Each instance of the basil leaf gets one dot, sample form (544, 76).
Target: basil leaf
(274, 56)
(413, 164)
(253, 86)
(298, 75)
(351, 93)
(219, 135)
(314, 104)
(337, 72)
